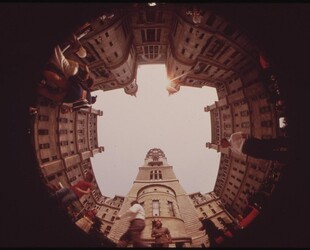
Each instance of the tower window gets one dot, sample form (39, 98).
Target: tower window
(171, 209)
(155, 208)
(151, 175)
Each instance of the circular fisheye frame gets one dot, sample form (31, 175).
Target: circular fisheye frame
(199, 48)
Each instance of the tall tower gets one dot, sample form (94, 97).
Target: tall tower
(159, 191)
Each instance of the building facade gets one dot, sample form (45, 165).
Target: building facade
(157, 188)
(64, 144)
(211, 53)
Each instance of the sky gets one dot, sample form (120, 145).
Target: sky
(177, 124)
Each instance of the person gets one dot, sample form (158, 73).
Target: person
(97, 238)
(267, 149)
(65, 80)
(68, 195)
(68, 90)
(216, 235)
(59, 64)
(136, 216)
(161, 234)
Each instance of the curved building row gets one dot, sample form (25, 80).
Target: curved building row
(211, 53)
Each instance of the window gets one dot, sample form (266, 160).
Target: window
(245, 124)
(143, 36)
(44, 145)
(151, 51)
(155, 208)
(43, 131)
(266, 123)
(63, 131)
(72, 179)
(151, 175)
(244, 113)
(150, 16)
(264, 109)
(43, 118)
(64, 143)
(81, 140)
(171, 209)
(158, 35)
(64, 120)
(150, 34)
(215, 47)
(107, 230)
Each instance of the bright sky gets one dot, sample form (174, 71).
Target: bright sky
(177, 124)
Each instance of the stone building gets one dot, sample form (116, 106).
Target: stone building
(210, 53)
(157, 188)
(64, 144)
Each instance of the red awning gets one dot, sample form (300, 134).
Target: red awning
(249, 218)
